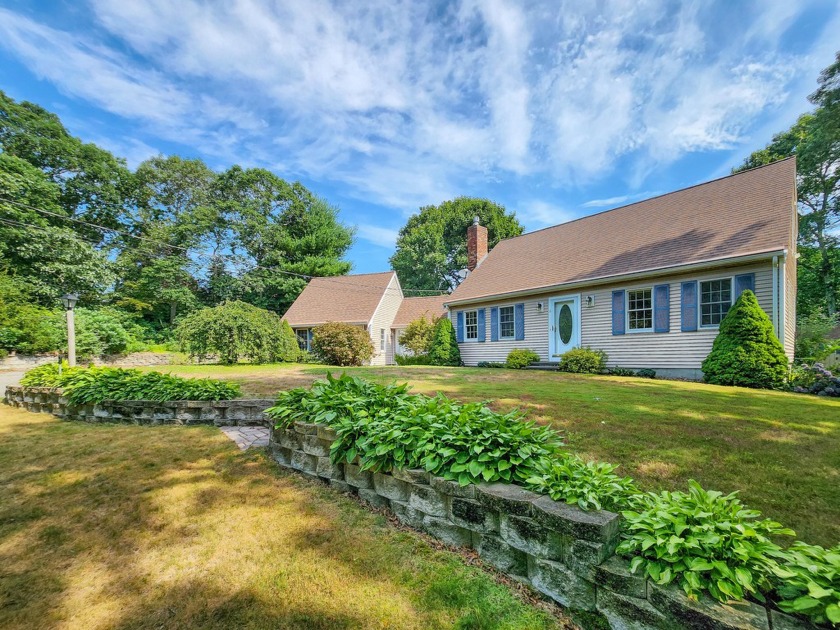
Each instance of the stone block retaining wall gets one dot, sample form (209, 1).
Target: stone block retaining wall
(560, 550)
(135, 359)
(243, 412)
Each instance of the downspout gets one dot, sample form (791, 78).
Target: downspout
(775, 308)
(782, 296)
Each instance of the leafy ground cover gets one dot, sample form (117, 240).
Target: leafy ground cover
(780, 450)
(110, 526)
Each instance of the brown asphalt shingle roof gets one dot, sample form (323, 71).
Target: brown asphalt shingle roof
(351, 299)
(741, 214)
(415, 307)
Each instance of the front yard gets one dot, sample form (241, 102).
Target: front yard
(117, 526)
(780, 450)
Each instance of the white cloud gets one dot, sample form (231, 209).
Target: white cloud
(378, 235)
(617, 201)
(407, 103)
(539, 214)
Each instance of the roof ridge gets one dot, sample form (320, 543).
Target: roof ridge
(628, 205)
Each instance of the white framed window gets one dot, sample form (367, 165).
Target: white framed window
(640, 310)
(303, 339)
(507, 322)
(471, 325)
(382, 339)
(715, 301)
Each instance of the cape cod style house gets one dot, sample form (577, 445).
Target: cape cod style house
(648, 282)
(372, 301)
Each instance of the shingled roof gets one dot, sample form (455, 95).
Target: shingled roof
(415, 307)
(350, 299)
(739, 215)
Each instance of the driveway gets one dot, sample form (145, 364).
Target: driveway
(8, 378)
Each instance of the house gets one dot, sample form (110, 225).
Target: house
(368, 300)
(372, 301)
(648, 282)
(413, 308)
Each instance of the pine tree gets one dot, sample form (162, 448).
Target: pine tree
(746, 351)
(444, 349)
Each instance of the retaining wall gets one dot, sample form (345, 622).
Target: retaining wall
(135, 359)
(242, 412)
(562, 551)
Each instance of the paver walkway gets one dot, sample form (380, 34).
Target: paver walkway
(246, 437)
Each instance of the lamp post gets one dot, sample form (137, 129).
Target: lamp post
(69, 301)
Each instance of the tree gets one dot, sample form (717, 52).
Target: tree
(432, 247)
(236, 330)
(815, 141)
(746, 351)
(444, 348)
(342, 344)
(417, 336)
(812, 337)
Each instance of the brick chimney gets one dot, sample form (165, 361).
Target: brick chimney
(476, 244)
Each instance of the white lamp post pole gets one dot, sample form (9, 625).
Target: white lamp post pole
(69, 304)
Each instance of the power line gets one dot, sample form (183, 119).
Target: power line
(333, 279)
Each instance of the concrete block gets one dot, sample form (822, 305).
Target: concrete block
(390, 488)
(306, 428)
(596, 526)
(629, 613)
(783, 621)
(496, 552)
(288, 438)
(582, 556)
(452, 488)
(426, 499)
(313, 445)
(506, 498)
(326, 433)
(473, 515)
(341, 486)
(357, 477)
(325, 468)
(304, 462)
(614, 574)
(407, 515)
(282, 455)
(705, 612)
(446, 532)
(412, 475)
(561, 584)
(527, 535)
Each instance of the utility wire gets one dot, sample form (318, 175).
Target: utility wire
(333, 279)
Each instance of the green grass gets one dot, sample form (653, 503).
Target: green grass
(780, 450)
(118, 526)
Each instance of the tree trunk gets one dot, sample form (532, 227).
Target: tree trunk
(173, 311)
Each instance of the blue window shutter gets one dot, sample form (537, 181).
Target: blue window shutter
(618, 312)
(459, 328)
(481, 323)
(661, 308)
(494, 323)
(742, 283)
(688, 306)
(519, 320)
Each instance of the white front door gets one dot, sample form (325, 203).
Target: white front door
(564, 325)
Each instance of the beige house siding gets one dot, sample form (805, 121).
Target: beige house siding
(383, 318)
(673, 350)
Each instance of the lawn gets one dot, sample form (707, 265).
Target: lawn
(780, 450)
(117, 526)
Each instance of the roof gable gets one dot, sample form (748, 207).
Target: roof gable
(351, 299)
(738, 215)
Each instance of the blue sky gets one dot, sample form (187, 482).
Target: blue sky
(554, 109)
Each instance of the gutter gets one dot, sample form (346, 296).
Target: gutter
(645, 273)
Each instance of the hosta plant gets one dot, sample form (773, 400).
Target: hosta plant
(704, 541)
(808, 583)
(589, 485)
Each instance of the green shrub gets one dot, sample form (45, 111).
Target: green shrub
(491, 364)
(812, 343)
(815, 379)
(702, 540)
(417, 336)
(519, 358)
(589, 485)
(583, 361)
(417, 359)
(387, 428)
(99, 332)
(746, 351)
(342, 344)
(620, 371)
(808, 582)
(444, 349)
(236, 330)
(646, 373)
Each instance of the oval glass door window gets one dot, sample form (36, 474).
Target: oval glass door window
(564, 323)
